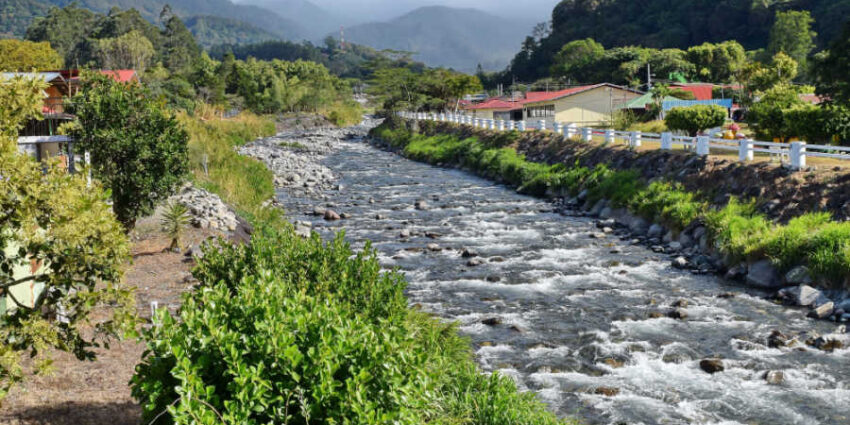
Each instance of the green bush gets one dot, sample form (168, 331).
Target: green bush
(735, 227)
(695, 119)
(286, 330)
(619, 187)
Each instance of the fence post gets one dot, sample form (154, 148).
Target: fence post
(558, 127)
(609, 136)
(521, 126)
(492, 124)
(587, 134)
(572, 130)
(87, 162)
(745, 150)
(511, 125)
(798, 155)
(667, 141)
(501, 125)
(702, 145)
(634, 139)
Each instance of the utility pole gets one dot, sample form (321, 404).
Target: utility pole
(648, 78)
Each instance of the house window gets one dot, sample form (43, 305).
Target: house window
(546, 111)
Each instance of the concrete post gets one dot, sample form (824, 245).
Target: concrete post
(798, 155)
(572, 130)
(703, 145)
(745, 150)
(558, 127)
(521, 126)
(511, 125)
(587, 134)
(501, 126)
(541, 125)
(667, 141)
(634, 139)
(609, 136)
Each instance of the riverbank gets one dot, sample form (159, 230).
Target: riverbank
(649, 193)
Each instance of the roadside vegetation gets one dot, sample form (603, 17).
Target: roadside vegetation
(737, 230)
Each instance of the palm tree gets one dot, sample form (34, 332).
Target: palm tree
(175, 218)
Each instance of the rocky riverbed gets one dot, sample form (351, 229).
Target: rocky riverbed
(602, 316)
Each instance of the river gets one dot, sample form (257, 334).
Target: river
(572, 317)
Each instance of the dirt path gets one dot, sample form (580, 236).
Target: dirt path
(83, 393)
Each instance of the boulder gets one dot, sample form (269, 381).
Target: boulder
(468, 253)
(711, 365)
(675, 246)
(474, 262)
(799, 275)
(655, 231)
(823, 311)
(318, 211)
(433, 247)
(421, 205)
(680, 263)
(605, 213)
(802, 295)
(331, 215)
(492, 321)
(345, 216)
(678, 314)
(774, 377)
(778, 339)
(685, 241)
(737, 272)
(762, 274)
(698, 233)
(405, 233)
(606, 391)
(638, 226)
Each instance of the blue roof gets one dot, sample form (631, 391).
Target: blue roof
(670, 104)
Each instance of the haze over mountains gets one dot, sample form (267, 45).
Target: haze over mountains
(440, 35)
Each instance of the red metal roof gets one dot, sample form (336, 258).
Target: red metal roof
(120, 75)
(811, 98)
(700, 91)
(496, 103)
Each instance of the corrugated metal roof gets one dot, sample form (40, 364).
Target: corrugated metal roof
(536, 97)
(495, 103)
(45, 76)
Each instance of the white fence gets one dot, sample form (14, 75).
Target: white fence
(794, 153)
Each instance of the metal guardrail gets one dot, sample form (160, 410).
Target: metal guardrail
(794, 153)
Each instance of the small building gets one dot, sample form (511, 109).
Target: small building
(496, 109)
(584, 105)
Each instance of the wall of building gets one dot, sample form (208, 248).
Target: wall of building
(593, 107)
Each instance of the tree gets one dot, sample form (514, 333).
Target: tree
(696, 119)
(769, 113)
(59, 230)
(576, 58)
(831, 72)
(138, 148)
(64, 28)
(792, 34)
(17, 55)
(129, 51)
(759, 78)
(717, 62)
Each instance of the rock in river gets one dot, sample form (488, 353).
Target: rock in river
(762, 274)
(331, 215)
(711, 365)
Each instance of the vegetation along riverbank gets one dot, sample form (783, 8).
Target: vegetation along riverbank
(719, 215)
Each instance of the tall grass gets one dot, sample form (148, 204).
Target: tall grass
(242, 182)
(737, 230)
(343, 113)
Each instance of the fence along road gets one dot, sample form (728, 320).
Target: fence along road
(795, 152)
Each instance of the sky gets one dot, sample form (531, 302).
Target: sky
(380, 10)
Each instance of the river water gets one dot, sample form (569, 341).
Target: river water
(573, 313)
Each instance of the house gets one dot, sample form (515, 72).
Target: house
(40, 138)
(584, 105)
(496, 109)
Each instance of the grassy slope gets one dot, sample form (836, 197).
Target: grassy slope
(813, 239)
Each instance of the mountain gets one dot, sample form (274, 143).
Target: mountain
(315, 21)
(16, 15)
(445, 36)
(213, 30)
(260, 18)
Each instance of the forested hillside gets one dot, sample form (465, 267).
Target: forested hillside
(669, 24)
(23, 12)
(213, 30)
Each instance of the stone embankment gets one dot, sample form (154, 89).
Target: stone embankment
(206, 209)
(692, 250)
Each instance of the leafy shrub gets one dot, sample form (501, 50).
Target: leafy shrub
(619, 187)
(695, 119)
(300, 331)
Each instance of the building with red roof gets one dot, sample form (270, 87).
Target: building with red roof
(588, 105)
